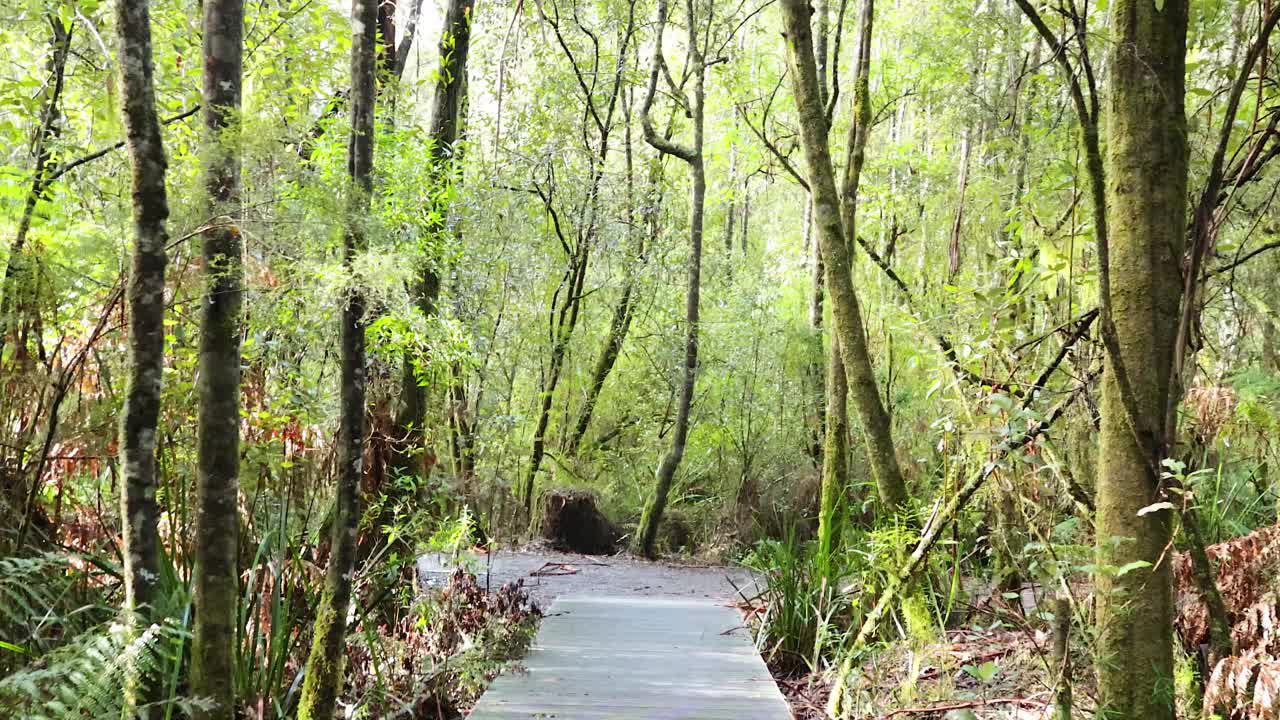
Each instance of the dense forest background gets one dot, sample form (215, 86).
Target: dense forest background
(428, 279)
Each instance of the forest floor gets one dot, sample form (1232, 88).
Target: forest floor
(994, 665)
(965, 674)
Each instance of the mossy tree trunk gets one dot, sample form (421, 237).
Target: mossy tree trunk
(217, 523)
(140, 512)
(836, 252)
(835, 463)
(1146, 171)
(325, 664)
(691, 154)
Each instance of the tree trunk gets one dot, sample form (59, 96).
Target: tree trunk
(1271, 320)
(15, 281)
(216, 572)
(651, 517)
(564, 317)
(140, 511)
(855, 357)
(462, 432)
(1146, 207)
(325, 665)
(622, 312)
(835, 466)
(820, 379)
(957, 221)
(410, 456)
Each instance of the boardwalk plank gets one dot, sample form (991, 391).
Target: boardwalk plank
(629, 658)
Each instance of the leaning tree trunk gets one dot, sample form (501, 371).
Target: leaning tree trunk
(411, 456)
(139, 510)
(566, 303)
(855, 357)
(835, 454)
(624, 310)
(1146, 207)
(217, 526)
(651, 517)
(325, 665)
(15, 281)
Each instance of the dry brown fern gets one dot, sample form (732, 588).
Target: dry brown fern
(1247, 568)
(1246, 685)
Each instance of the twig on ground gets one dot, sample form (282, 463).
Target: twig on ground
(1020, 702)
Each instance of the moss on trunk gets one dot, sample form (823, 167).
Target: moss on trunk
(140, 512)
(326, 662)
(1146, 194)
(856, 358)
(216, 573)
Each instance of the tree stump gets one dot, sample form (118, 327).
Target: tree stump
(572, 523)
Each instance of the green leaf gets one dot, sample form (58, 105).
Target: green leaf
(1130, 567)
(14, 648)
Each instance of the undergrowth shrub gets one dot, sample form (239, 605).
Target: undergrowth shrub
(45, 600)
(437, 660)
(83, 678)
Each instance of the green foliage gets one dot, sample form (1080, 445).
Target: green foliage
(43, 604)
(945, 75)
(83, 677)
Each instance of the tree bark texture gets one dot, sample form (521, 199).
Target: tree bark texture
(216, 572)
(849, 331)
(835, 464)
(139, 509)
(1146, 171)
(325, 664)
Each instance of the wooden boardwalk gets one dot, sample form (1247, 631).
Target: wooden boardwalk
(630, 658)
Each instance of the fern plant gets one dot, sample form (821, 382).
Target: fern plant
(83, 677)
(44, 600)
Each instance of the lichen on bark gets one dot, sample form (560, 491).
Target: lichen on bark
(1146, 170)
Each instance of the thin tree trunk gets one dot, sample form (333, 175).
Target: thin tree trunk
(1271, 320)
(651, 517)
(410, 456)
(835, 457)
(216, 569)
(731, 212)
(14, 283)
(140, 512)
(462, 432)
(818, 377)
(957, 221)
(216, 572)
(565, 323)
(565, 317)
(622, 312)
(1146, 207)
(325, 664)
(827, 390)
(855, 356)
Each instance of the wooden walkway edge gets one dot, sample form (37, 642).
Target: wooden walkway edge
(628, 658)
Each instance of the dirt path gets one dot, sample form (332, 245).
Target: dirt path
(548, 575)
